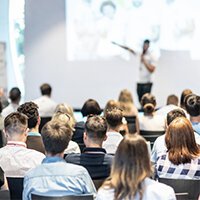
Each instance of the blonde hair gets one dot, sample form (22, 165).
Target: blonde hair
(131, 166)
(66, 109)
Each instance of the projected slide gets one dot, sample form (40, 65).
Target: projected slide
(92, 25)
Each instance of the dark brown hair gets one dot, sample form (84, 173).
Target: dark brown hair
(183, 95)
(30, 109)
(45, 89)
(91, 106)
(148, 103)
(15, 123)
(180, 141)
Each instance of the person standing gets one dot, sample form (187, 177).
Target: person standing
(146, 69)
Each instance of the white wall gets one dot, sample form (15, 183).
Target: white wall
(74, 82)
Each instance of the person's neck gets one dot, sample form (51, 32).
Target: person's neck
(195, 119)
(110, 129)
(61, 155)
(94, 145)
(34, 130)
(16, 139)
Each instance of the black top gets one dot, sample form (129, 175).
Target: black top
(78, 133)
(95, 160)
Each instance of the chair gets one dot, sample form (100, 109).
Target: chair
(181, 196)
(151, 135)
(43, 121)
(15, 186)
(187, 186)
(98, 183)
(77, 197)
(4, 195)
(131, 123)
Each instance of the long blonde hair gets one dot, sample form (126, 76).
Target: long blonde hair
(131, 166)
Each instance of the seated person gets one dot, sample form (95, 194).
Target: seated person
(55, 177)
(94, 158)
(114, 119)
(15, 158)
(159, 145)
(182, 159)
(150, 121)
(192, 105)
(172, 103)
(45, 103)
(91, 106)
(131, 169)
(34, 139)
(15, 97)
(66, 118)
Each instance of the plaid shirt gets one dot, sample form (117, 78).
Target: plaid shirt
(166, 169)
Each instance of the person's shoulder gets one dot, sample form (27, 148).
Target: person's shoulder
(105, 193)
(159, 189)
(73, 157)
(35, 154)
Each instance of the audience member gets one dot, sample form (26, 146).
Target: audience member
(15, 97)
(67, 109)
(91, 106)
(127, 104)
(114, 120)
(94, 158)
(55, 177)
(172, 103)
(192, 105)
(65, 118)
(2, 135)
(45, 103)
(115, 104)
(34, 139)
(150, 121)
(129, 178)
(159, 145)
(15, 158)
(182, 159)
(183, 95)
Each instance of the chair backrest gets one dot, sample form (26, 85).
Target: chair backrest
(15, 186)
(151, 135)
(4, 195)
(43, 121)
(192, 187)
(77, 197)
(131, 123)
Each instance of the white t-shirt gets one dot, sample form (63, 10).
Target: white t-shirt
(153, 190)
(145, 76)
(46, 106)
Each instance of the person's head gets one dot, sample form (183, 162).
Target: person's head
(16, 126)
(108, 9)
(148, 103)
(95, 130)
(174, 114)
(125, 96)
(66, 109)
(111, 104)
(137, 3)
(180, 141)
(172, 100)
(64, 118)
(30, 109)
(114, 118)
(56, 136)
(91, 106)
(183, 95)
(192, 105)
(15, 95)
(146, 45)
(130, 167)
(45, 89)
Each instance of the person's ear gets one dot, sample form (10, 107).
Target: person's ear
(26, 132)
(84, 136)
(38, 121)
(5, 133)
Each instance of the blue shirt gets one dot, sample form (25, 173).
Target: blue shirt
(196, 127)
(55, 177)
